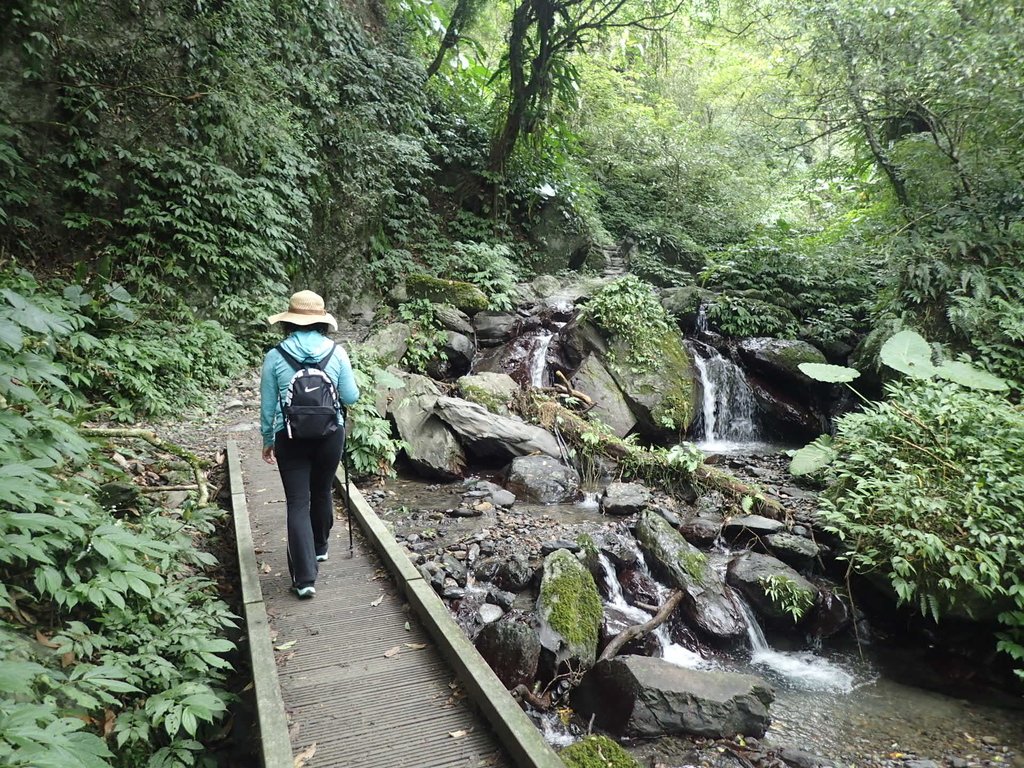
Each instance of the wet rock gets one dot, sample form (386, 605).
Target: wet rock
(500, 597)
(489, 435)
(779, 359)
(488, 613)
(543, 480)
(434, 574)
(798, 758)
(455, 358)
(617, 621)
(711, 504)
(593, 379)
(569, 609)
(644, 697)
(921, 764)
(453, 593)
(388, 344)
(547, 547)
(745, 526)
(452, 319)
(491, 390)
(793, 550)
(494, 328)
(455, 568)
(701, 531)
(512, 650)
(638, 587)
(513, 574)
(707, 601)
(619, 547)
(751, 573)
(625, 499)
(785, 412)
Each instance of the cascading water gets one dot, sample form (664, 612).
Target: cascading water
(802, 670)
(538, 360)
(671, 651)
(728, 407)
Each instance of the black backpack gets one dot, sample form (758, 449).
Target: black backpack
(311, 404)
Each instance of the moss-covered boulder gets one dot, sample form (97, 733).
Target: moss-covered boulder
(779, 358)
(684, 304)
(663, 397)
(463, 296)
(570, 612)
(707, 600)
(491, 390)
(596, 752)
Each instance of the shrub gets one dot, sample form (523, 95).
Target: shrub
(627, 309)
(928, 488)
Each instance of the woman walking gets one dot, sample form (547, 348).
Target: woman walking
(306, 446)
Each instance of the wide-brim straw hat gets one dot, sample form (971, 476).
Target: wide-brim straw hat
(305, 308)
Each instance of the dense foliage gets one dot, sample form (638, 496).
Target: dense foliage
(126, 667)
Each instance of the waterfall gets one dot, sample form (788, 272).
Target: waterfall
(800, 669)
(671, 651)
(729, 408)
(538, 360)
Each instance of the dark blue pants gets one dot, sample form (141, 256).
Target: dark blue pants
(307, 470)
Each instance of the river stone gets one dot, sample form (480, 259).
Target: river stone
(490, 389)
(455, 358)
(786, 411)
(638, 587)
(495, 494)
(747, 572)
(610, 405)
(542, 479)
(493, 328)
(797, 551)
(512, 650)
(619, 547)
(451, 319)
(569, 610)
(488, 435)
(638, 696)
(798, 758)
(388, 344)
(707, 601)
(616, 621)
(488, 613)
(745, 526)
(779, 358)
(624, 499)
(831, 614)
(701, 531)
(429, 445)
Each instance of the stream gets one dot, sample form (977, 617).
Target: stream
(831, 700)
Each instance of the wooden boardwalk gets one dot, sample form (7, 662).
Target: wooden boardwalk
(363, 681)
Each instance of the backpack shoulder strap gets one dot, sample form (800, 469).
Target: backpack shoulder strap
(290, 359)
(322, 364)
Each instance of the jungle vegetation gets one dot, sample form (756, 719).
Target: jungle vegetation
(834, 170)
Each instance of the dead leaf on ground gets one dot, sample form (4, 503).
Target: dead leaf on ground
(266, 568)
(458, 734)
(304, 756)
(377, 602)
(285, 646)
(45, 640)
(416, 646)
(392, 651)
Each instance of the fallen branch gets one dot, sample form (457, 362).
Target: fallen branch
(540, 703)
(194, 462)
(639, 630)
(581, 396)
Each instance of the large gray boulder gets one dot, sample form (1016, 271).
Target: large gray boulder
(491, 390)
(625, 499)
(430, 447)
(610, 405)
(494, 328)
(779, 358)
(512, 650)
(486, 435)
(644, 697)
(542, 480)
(756, 575)
(388, 344)
(457, 355)
(797, 551)
(452, 319)
(707, 600)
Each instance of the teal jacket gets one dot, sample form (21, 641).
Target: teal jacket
(306, 347)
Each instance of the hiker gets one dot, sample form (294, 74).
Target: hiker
(306, 380)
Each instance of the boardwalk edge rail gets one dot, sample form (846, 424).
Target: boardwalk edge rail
(513, 727)
(273, 722)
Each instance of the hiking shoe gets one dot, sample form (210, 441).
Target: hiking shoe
(321, 558)
(305, 593)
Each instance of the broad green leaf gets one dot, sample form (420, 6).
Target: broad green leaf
(967, 375)
(813, 456)
(832, 374)
(908, 352)
(16, 676)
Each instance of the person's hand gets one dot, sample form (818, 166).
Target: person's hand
(268, 454)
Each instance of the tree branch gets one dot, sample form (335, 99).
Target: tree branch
(639, 630)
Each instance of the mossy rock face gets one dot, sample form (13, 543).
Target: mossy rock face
(570, 610)
(664, 398)
(596, 752)
(463, 296)
(491, 390)
(779, 358)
